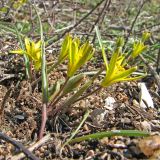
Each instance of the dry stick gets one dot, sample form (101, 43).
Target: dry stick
(81, 20)
(156, 76)
(3, 103)
(98, 18)
(103, 16)
(8, 76)
(89, 94)
(158, 62)
(29, 154)
(33, 147)
(133, 23)
(150, 27)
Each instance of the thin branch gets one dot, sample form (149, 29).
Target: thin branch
(50, 42)
(4, 102)
(133, 23)
(89, 94)
(29, 154)
(153, 72)
(98, 18)
(33, 147)
(158, 62)
(106, 6)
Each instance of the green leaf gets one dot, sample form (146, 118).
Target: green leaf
(73, 83)
(101, 46)
(100, 135)
(78, 93)
(54, 90)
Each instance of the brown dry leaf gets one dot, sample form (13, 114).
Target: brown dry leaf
(149, 145)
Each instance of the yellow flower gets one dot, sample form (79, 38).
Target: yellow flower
(78, 55)
(145, 36)
(138, 48)
(65, 48)
(116, 72)
(33, 51)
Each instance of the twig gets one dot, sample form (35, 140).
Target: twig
(98, 18)
(8, 76)
(50, 42)
(153, 72)
(33, 147)
(106, 6)
(158, 62)
(29, 154)
(133, 23)
(89, 94)
(3, 102)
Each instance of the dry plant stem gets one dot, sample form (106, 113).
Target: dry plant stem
(8, 76)
(98, 18)
(44, 119)
(89, 94)
(103, 12)
(3, 103)
(74, 26)
(33, 147)
(153, 72)
(29, 154)
(158, 62)
(133, 23)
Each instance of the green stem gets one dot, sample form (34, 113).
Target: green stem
(59, 96)
(87, 95)
(100, 135)
(26, 59)
(78, 128)
(44, 79)
(74, 97)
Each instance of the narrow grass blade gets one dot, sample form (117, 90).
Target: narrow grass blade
(27, 64)
(99, 135)
(43, 68)
(78, 128)
(101, 46)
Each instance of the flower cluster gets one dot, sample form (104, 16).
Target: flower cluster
(32, 51)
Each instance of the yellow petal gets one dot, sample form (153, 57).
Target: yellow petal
(65, 48)
(28, 46)
(20, 51)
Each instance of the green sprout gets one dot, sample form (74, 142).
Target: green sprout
(32, 51)
(146, 36)
(138, 48)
